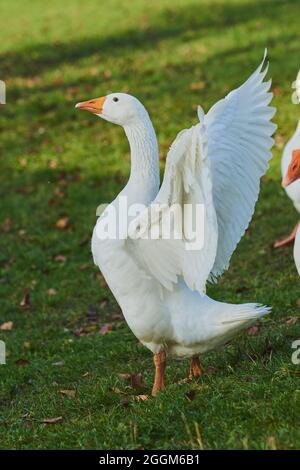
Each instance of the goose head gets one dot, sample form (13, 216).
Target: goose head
(118, 108)
(293, 171)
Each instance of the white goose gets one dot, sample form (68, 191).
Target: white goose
(158, 283)
(291, 177)
(292, 190)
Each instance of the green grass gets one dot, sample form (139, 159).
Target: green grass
(53, 55)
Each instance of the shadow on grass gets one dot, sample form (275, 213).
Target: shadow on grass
(188, 22)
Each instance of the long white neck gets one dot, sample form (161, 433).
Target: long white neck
(144, 151)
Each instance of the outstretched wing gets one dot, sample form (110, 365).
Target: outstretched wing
(186, 193)
(239, 131)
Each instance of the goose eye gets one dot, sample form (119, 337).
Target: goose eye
(115, 99)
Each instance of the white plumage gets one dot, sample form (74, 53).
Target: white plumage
(158, 283)
(292, 189)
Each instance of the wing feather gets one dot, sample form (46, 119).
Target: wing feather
(239, 130)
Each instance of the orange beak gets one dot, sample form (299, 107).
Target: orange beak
(94, 106)
(293, 171)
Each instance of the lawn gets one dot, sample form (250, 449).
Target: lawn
(67, 344)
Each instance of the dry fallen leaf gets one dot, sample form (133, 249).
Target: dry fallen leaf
(78, 331)
(277, 91)
(58, 193)
(57, 420)
(135, 380)
(197, 85)
(52, 291)
(141, 397)
(252, 330)
(62, 223)
(26, 344)
(60, 258)
(106, 328)
(115, 389)
(7, 326)
(292, 320)
(279, 141)
(68, 393)
(53, 164)
(22, 362)
(25, 302)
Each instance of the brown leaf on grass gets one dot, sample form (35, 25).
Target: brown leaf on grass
(27, 345)
(7, 326)
(58, 193)
(107, 73)
(7, 225)
(197, 85)
(292, 320)
(23, 162)
(125, 376)
(106, 328)
(78, 331)
(252, 330)
(25, 302)
(62, 223)
(60, 258)
(51, 291)
(68, 393)
(22, 362)
(134, 380)
(57, 420)
(141, 397)
(115, 389)
(279, 141)
(53, 164)
(277, 91)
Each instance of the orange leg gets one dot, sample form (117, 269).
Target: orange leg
(195, 367)
(160, 365)
(288, 240)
